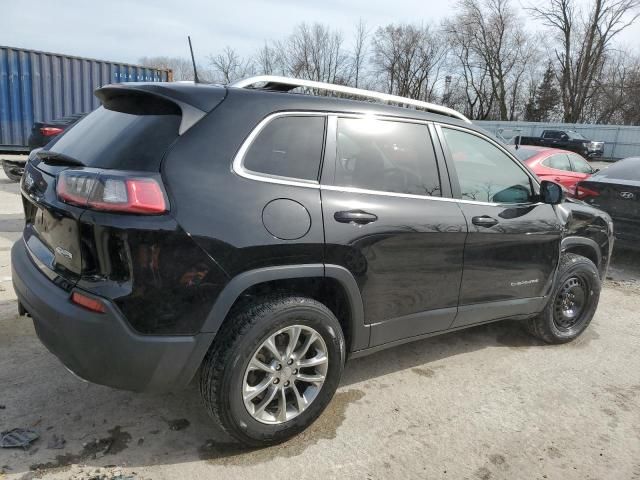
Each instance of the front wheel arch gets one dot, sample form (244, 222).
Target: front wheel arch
(585, 247)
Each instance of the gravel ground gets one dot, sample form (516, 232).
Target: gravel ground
(485, 403)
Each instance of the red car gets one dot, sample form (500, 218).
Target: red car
(559, 166)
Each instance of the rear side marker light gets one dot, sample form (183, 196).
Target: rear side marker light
(88, 302)
(50, 131)
(112, 192)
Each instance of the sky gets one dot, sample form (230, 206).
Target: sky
(125, 31)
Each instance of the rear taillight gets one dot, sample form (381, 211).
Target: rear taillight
(50, 131)
(113, 192)
(583, 192)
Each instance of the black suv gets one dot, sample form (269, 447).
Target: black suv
(259, 237)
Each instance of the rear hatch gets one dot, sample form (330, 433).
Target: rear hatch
(131, 135)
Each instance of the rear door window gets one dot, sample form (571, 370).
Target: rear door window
(289, 146)
(386, 156)
(559, 161)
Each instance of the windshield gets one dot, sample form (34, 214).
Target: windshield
(575, 136)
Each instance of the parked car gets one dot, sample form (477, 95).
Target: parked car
(259, 238)
(41, 134)
(616, 190)
(565, 140)
(13, 168)
(560, 166)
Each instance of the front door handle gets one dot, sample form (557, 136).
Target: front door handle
(484, 221)
(359, 217)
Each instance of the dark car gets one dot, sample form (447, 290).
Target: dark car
(616, 190)
(258, 238)
(565, 140)
(41, 134)
(555, 165)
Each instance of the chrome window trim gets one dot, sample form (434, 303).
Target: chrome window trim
(238, 167)
(357, 190)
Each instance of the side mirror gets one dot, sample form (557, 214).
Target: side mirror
(551, 193)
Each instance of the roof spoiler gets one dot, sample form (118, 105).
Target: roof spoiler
(166, 101)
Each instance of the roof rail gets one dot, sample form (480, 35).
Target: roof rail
(274, 82)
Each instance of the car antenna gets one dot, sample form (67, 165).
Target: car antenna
(193, 60)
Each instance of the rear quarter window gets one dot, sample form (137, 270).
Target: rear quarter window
(559, 161)
(289, 146)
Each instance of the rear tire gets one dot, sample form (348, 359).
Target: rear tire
(13, 170)
(572, 303)
(225, 372)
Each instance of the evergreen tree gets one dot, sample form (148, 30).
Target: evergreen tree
(547, 97)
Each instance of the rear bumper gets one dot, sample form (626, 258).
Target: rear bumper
(102, 348)
(627, 234)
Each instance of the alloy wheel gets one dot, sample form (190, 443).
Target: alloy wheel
(285, 374)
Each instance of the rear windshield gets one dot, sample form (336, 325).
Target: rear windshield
(113, 139)
(524, 153)
(627, 169)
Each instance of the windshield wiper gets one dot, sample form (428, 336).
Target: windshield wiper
(55, 158)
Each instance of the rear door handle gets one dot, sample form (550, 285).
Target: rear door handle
(359, 217)
(484, 221)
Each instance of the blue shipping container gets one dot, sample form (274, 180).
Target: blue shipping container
(40, 86)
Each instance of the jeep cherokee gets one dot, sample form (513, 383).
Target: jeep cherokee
(255, 239)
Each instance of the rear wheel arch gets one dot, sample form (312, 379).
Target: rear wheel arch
(332, 285)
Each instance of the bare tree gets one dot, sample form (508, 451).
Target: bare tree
(472, 93)
(360, 52)
(270, 61)
(409, 60)
(582, 40)
(315, 52)
(615, 98)
(229, 66)
(481, 61)
(494, 50)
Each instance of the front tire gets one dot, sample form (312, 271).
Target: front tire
(572, 303)
(273, 369)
